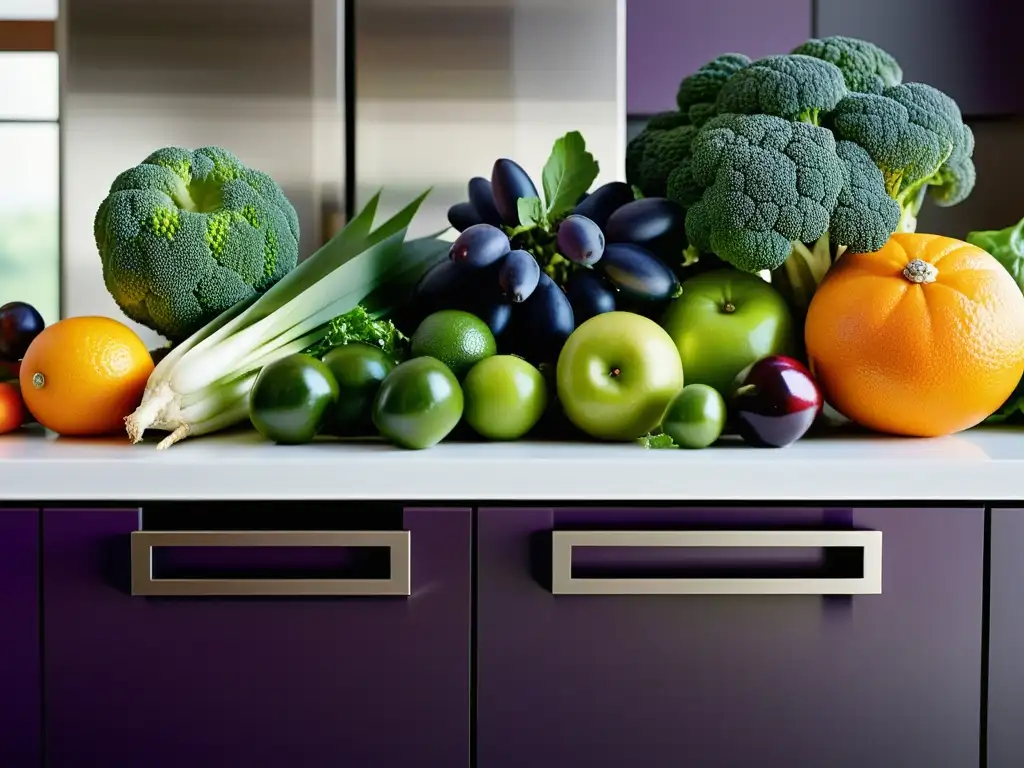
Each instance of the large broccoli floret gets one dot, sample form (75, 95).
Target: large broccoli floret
(698, 92)
(185, 235)
(794, 87)
(866, 67)
(865, 216)
(768, 182)
(911, 131)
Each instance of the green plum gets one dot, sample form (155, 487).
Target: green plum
(291, 399)
(359, 370)
(505, 397)
(419, 403)
(696, 417)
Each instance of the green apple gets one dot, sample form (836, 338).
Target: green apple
(724, 321)
(505, 397)
(617, 374)
(696, 418)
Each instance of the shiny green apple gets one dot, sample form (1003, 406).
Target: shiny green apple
(724, 321)
(617, 374)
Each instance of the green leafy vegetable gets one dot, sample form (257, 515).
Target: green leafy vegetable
(656, 441)
(568, 173)
(358, 326)
(1006, 245)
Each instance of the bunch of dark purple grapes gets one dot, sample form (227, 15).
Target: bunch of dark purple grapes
(535, 282)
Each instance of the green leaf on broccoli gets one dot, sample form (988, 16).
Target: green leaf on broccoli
(568, 173)
(531, 213)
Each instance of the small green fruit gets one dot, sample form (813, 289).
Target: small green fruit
(696, 417)
(505, 397)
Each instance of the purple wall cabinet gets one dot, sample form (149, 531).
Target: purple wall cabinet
(967, 48)
(773, 681)
(669, 39)
(1006, 639)
(256, 682)
(20, 712)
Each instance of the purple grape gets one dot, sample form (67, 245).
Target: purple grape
(481, 197)
(509, 182)
(481, 245)
(580, 240)
(518, 276)
(654, 223)
(589, 294)
(462, 216)
(604, 201)
(637, 273)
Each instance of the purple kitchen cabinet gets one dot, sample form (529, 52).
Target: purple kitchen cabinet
(260, 682)
(1006, 640)
(20, 706)
(727, 680)
(669, 39)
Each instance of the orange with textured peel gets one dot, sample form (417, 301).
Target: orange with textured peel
(84, 375)
(924, 337)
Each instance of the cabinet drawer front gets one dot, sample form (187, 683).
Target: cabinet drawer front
(1006, 640)
(253, 680)
(720, 680)
(20, 714)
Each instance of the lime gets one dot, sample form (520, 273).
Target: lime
(505, 397)
(456, 338)
(419, 403)
(696, 417)
(359, 370)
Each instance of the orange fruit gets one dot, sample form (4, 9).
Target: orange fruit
(12, 409)
(84, 375)
(924, 337)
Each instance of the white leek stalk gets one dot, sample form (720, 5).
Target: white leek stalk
(203, 385)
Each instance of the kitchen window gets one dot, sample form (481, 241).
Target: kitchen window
(30, 155)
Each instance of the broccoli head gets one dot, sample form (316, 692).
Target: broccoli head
(682, 188)
(794, 87)
(663, 152)
(911, 131)
(865, 67)
(185, 235)
(698, 92)
(768, 182)
(636, 150)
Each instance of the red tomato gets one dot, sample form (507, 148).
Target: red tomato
(12, 408)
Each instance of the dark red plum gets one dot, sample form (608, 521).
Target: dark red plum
(774, 402)
(20, 323)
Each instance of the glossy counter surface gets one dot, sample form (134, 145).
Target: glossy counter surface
(981, 465)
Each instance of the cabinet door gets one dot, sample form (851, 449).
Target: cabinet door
(726, 680)
(1006, 640)
(20, 707)
(666, 41)
(967, 48)
(261, 682)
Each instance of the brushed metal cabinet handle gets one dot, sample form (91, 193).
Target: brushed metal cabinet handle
(144, 584)
(869, 542)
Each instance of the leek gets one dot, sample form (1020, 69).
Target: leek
(203, 384)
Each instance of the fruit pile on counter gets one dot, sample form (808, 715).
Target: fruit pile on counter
(757, 273)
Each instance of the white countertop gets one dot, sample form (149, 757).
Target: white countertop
(979, 465)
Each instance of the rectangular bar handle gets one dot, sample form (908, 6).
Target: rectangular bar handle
(144, 584)
(868, 542)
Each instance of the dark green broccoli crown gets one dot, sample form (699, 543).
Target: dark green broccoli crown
(682, 188)
(795, 87)
(643, 167)
(865, 67)
(663, 152)
(185, 235)
(865, 216)
(909, 131)
(698, 92)
(767, 182)
(635, 156)
(701, 112)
